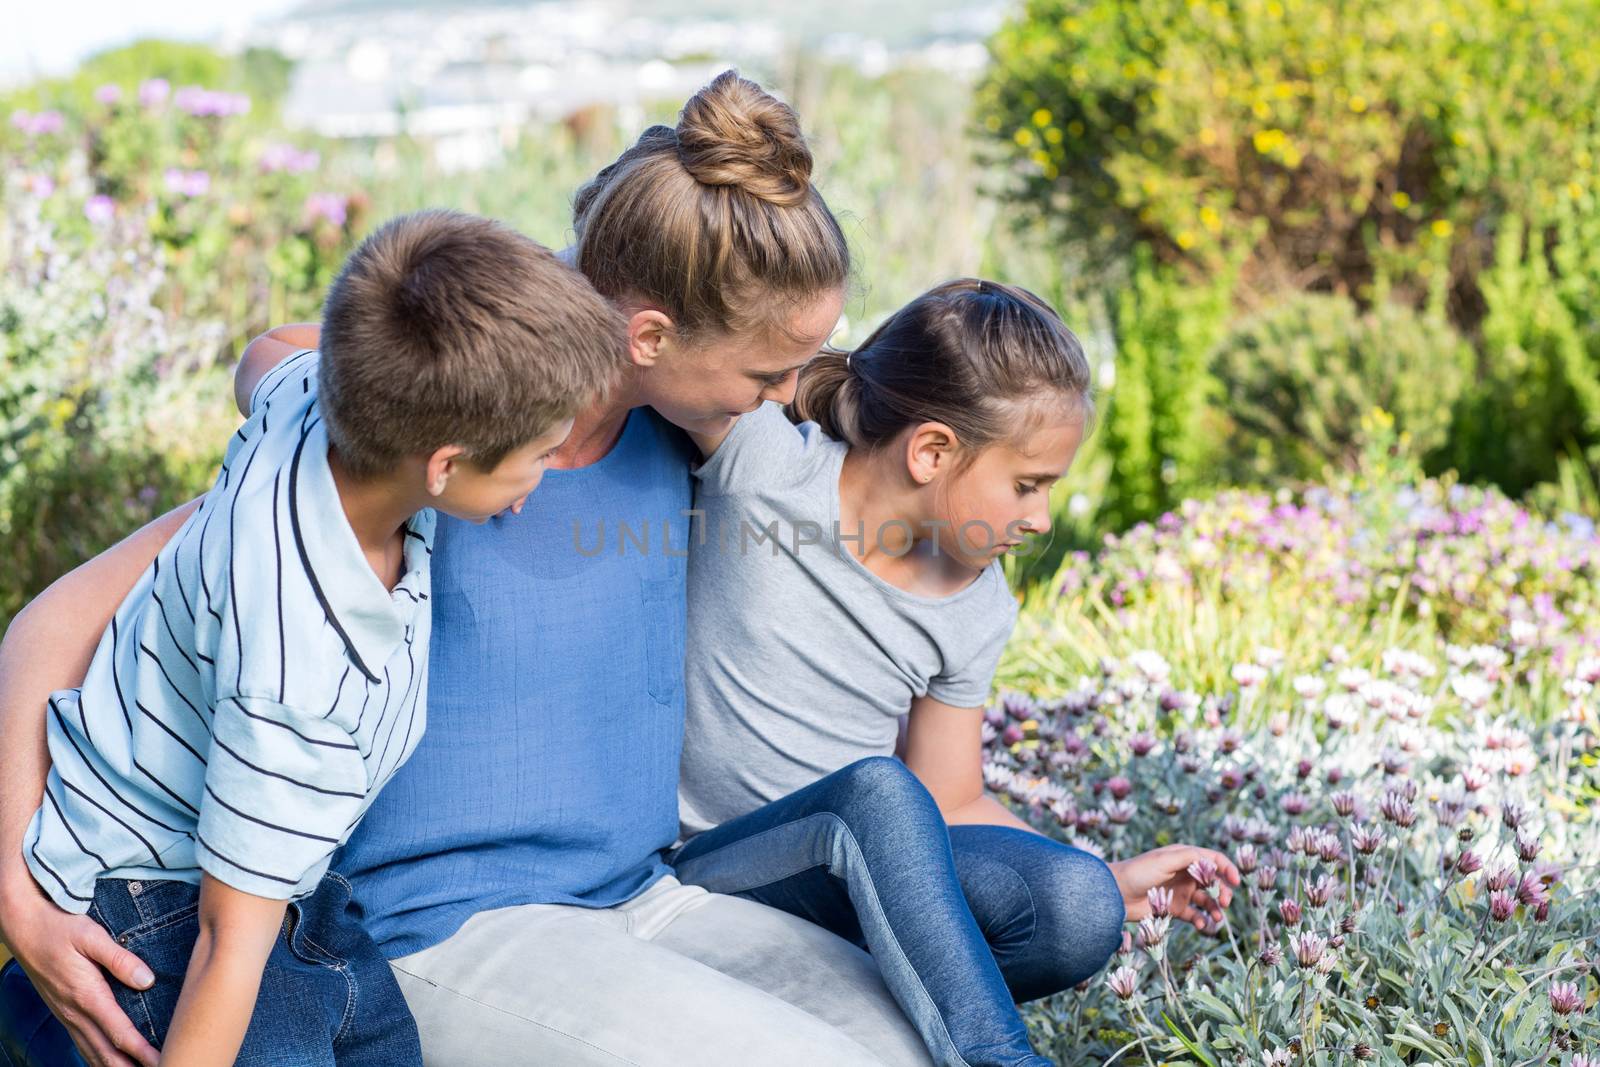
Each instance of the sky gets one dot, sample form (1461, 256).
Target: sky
(50, 36)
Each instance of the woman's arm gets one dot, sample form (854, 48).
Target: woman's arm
(48, 647)
(237, 931)
(266, 352)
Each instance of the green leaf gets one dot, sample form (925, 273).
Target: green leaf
(1199, 1053)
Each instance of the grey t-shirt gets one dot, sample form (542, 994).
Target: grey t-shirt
(800, 659)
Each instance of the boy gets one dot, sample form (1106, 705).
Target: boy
(267, 675)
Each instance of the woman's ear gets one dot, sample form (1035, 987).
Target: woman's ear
(930, 452)
(648, 332)
(441, 465)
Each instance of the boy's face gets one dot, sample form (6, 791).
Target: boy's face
(476, 495)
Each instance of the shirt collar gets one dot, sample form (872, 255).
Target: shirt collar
(370, 619)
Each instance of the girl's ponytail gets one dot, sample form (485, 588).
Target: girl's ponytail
(828, 395)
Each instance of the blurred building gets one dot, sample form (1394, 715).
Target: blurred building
(467, 77)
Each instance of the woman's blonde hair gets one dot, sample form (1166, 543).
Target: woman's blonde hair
(715, 221)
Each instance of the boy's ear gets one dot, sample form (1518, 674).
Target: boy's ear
(930, 451)
(441, 466)
(648, 329)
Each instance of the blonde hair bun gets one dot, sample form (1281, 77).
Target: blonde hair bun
(735, 133)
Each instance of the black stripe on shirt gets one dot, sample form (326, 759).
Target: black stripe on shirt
(305, 559)
(337, 693)
(411, 679)
(83, 757)
(277, 555)
(66, 822)
(163, 668)
(233, 551)
(292, 781)
(205, 586)
(269, 825)
(282, 372)
(285, 726)
(142, 839)
(51, 871)
(155, 577)
(247, 870)
(175, 735)
(163, 787)
(116, 682)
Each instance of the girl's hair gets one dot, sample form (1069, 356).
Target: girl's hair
(986, 359)
(716, 221)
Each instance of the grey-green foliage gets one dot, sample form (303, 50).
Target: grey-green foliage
(1298, 377)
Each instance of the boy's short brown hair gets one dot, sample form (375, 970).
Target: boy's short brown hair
(449, 329)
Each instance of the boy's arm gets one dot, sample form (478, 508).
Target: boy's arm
(237, 931)
(48, 647)
(266, 352)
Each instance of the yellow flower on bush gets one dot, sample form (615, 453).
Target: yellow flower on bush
(1185, 240)
(1358, 104)
(1041, 117)
(1210, 219)
(1401, 200)
(1023, 137)
(1442, 228)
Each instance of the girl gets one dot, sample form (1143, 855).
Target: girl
(847, 574)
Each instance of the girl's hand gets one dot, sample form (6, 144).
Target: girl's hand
(1201, 881)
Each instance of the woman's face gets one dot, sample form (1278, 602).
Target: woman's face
(703, 385)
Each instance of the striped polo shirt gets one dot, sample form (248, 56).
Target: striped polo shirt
(254, 691)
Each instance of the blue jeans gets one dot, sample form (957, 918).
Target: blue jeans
(865, 852)
(328, 997)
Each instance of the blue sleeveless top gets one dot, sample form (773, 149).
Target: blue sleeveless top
(549, 770)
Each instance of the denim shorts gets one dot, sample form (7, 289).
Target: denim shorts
(328, 997)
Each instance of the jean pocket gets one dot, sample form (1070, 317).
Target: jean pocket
(664, 608)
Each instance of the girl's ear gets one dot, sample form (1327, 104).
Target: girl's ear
(648, 331)
(441, 466)
(930, 452)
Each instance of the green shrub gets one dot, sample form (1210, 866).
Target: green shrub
(1298, 378)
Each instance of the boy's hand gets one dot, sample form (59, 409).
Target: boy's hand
(63, 953)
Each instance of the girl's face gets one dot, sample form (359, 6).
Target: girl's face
(1004, 494)
(702, 387)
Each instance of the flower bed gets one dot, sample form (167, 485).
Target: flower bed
(1414, 816)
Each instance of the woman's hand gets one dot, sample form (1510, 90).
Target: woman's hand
(1201, 881)
(63, 954)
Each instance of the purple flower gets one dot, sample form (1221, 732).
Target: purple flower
(1565, 998)
(154, 92)
(100, 209)
(1531, 891)
(1271, 954)
(1153, 930)
(109, 95)
(1289, 909)
(1307, 947)
(1204, 872)
(188, 182)
(1468, 862)
(1124, 982)
(1501, 905)
(329, 206)
(1160, 899)
(40, 125)
(40, 185)
(209, 103)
